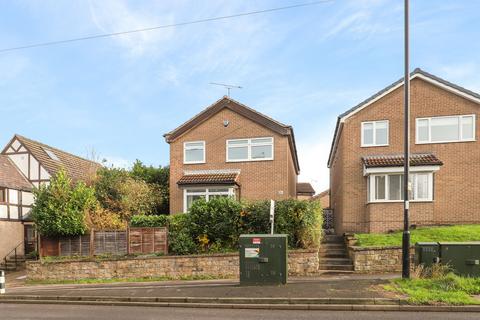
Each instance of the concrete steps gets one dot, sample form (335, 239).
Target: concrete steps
(10, 264)
(333, 256)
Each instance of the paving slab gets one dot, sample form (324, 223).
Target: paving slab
(338, 286)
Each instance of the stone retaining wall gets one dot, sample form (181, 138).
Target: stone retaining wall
(377, 259)
(300, 263)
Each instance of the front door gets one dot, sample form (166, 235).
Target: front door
(30, 239)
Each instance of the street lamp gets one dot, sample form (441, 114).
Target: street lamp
(406, 202)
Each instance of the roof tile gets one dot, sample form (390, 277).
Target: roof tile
(421, 159)
(209, 178)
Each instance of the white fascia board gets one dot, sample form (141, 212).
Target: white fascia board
(368, 171)
(420, 76)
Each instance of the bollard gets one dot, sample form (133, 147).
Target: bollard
(2, 282)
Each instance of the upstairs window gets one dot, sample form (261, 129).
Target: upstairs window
(374, 133)
(445, 129)
(194, 152)
(254, 149)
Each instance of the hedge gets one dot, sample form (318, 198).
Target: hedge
(216, 225)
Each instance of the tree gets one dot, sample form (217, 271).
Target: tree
(118, 192)
(158, 179)
(61, 207)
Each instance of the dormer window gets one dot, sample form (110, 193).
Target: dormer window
(374, 133)
(51, 154)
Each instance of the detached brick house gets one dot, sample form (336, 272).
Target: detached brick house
(231, 150)
(366, 161)
(25, 164)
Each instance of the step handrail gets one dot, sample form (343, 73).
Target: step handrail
(14, 251)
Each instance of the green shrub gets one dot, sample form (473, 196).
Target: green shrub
(180, 241)
(61, 207)
(144, 221)
(215, 221)
(219, 222)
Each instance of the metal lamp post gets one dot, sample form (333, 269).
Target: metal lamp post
(406, 202)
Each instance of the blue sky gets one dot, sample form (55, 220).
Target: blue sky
(303, 67)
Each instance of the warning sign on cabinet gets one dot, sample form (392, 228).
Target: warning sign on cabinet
(252, 252)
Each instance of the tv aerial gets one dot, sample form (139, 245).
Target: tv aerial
(226, 86)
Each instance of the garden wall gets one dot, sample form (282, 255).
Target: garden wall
(378, 259)
(300, 263)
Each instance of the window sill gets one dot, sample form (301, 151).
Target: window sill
(397, 201)
(376, 145)
(444, 142)
(252, 160)
(203, 162)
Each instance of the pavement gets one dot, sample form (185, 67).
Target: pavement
(351, 292)
(331, 286)
(73, 312)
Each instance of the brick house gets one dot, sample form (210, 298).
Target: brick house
(25, 164)
(232, 150)
(366, 161)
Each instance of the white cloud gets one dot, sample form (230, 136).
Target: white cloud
(313, 157)
(116, 162)
(116, 16)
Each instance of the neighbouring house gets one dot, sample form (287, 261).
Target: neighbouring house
(232, 150)
(25, 164)
(366, 158)
(305, 191)
(324, 198)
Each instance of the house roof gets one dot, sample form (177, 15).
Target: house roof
(10, 176)
(76, 167)
(305, 188)
(321, 194)
(243, 110)
(397, 160)
(417, 73)
(209, 178)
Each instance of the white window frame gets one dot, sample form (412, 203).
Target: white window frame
(460, 129)
(374, 144)
(371, 187)
(207, 193)
(185, 148)
(249, 149)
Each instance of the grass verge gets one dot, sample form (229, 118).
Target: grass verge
(120, 280)
(459, 233)
(446, 290)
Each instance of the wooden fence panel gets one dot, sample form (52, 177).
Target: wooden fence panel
(148, 240)
(110, 242)
(75, 246)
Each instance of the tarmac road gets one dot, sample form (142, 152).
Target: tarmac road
(71, 312)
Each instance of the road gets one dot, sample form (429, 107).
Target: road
(52, 312)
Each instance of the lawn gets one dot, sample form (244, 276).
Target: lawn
(423, 234)
(449, 289)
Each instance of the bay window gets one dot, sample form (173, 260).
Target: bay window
(389, 187)
(445, 129)
(254, 149)
(193, 194)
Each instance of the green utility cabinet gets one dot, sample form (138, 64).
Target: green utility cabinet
(462, 257)
(263, 259)
(427, 253)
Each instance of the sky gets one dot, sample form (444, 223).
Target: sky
(116, 97)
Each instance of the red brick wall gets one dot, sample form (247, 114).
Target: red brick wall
(456, 188)
(272, 179)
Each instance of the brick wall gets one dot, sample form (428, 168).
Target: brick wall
(272, 179)
(456, 190)
(300, 263)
